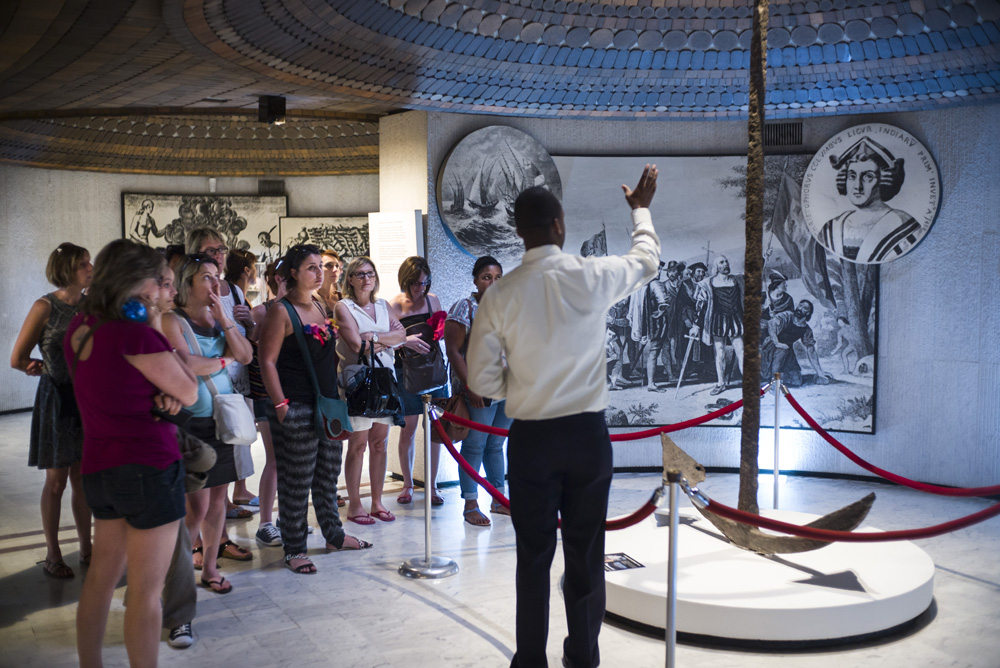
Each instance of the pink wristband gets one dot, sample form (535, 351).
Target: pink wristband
(280, 404)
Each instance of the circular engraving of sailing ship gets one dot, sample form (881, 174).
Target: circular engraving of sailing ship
(479, 181)
(871, 193)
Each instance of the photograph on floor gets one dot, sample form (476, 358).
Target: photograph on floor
(347, 235)
(675, 347)
(246, 222)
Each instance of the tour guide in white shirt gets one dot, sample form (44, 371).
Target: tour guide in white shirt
(547, 320)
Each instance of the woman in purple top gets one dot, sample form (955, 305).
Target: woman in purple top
(133, 479)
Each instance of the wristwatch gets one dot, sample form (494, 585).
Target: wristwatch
(374, 337)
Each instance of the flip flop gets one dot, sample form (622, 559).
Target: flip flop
(195, 551)
(364, 519)
(220, 586)
(475, 517)
(499, 509)
(57, 570)
(384, 515)
(362, 545)
(405, 497)
(230, 550)
(436, 498)
(238, 513)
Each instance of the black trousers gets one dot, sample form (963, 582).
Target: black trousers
(559, 468)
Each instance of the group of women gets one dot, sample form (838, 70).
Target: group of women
(131, 340)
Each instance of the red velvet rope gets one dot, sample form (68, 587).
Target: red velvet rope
(849, 536)
(610, 525)
(634, 436)
(906, 482)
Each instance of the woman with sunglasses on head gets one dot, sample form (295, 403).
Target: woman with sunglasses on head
(306, 461)
(235, 305)
(414, 306)
(56, 440)
(122, 369)
(364, 318)
(478, 448)
(208, 341)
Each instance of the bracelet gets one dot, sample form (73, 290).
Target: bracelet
(222, 361)
(226, 329)
(280, 404)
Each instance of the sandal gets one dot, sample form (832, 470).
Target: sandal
(194, 551)
(56, 569)
(238, 513)
(384, 515)
(341, 502)
(499, 509)
(364, 519)
(220, 586)
(307, 568)
(436, 498)
(406, 496)
(85, 559)
(344, 547)
(475, 517)
(230, 550)
(255, 502)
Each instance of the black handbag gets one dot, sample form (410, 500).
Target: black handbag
(422, 373)
(370, 388)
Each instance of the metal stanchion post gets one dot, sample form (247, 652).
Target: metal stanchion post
(673, 479)
(428, 567)
(776, 387)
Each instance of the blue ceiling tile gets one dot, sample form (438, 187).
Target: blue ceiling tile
(883, 48)
(879, 90)
(684, 60)
(829, 54)
(896, 46)
(671, 62)
(585, 56)
(867, 92)
(946, 83)
(919, 88)
(840, 93)
(979, 35)
(802, 95)
(676, 99)
(965, 36)
(714, 99)
(857, 52)
(951, 38)
(905, 88)
(610, 57)
(992, 32)
(892, 90)
(827, 94)
(621, 58)
(562, 55)
(711, 59)
(658, 59)
(816, 54)
(573, 59)
(697, 60)
(739, 98)
(597, 58)
(688, 99)
(853, 93)
(645, 61)
(774, 58)
(871, 52)
(726, 99)
(723, 61)
(937, 39)
(910, 46)
(933, 86)
(801, 56)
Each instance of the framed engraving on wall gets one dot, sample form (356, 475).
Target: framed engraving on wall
(348, 235)
(478, 183)
(247, 222)
(670, 355)
(871, 193)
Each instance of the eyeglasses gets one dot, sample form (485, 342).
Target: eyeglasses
(364, 275)
(194, 259)
(424, 284)
(217, 250)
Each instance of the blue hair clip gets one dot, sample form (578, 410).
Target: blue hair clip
(135, 311)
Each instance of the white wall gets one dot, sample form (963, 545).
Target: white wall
(938, 394)
(41, 208)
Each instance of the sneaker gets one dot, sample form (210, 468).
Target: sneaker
(181, 637)
(277, 523)
(268, 535)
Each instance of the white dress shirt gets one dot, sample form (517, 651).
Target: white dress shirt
(546, 318)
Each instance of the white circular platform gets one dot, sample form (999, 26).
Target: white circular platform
(841, 591)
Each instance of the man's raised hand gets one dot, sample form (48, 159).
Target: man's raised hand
(643, 193)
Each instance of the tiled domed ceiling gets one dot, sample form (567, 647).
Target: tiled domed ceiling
(70, 69)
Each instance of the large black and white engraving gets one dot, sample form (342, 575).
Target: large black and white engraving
(347, 235)
(871, 193)
(478, 183)
(246, 222)
(675, 347)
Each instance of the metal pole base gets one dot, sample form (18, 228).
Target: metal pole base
(420, 568)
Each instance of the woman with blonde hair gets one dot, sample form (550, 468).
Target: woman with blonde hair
(56, 444)
(363, 318)
(123, 369)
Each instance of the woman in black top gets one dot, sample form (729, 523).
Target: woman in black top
(305, 460)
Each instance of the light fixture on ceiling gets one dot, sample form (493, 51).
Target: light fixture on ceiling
(271, 109)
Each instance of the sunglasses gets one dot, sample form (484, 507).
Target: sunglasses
(364, 275)
(217, 250)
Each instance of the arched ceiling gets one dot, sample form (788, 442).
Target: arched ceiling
(72, 69)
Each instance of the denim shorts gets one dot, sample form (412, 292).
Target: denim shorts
(413, 404)
(144, 496)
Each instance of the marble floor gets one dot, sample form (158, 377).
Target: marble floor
(358, 611)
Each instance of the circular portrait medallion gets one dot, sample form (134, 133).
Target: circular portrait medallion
(479, 181)
(871, 193)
